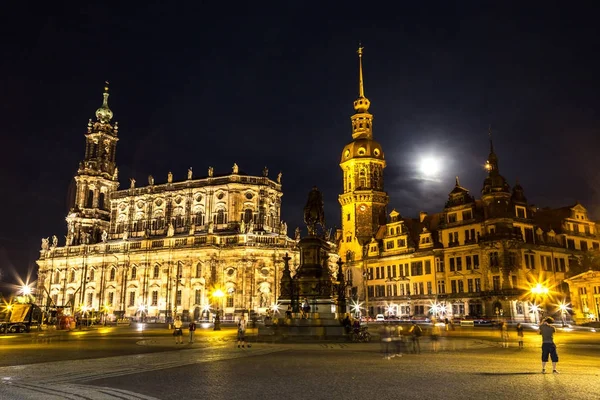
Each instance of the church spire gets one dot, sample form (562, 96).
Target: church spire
(104, 114)
(491, 165)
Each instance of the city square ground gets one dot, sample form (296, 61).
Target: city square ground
(119, 363)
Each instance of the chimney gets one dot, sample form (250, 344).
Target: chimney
(422, 216)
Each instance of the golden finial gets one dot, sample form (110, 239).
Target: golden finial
(104, 114)
(361, 90)
(457, 182)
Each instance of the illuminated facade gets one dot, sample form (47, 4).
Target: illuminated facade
(585, 296)
(477, 257)
(163, 249)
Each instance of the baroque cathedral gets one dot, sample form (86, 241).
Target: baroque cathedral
(192, 247)
(496, 256)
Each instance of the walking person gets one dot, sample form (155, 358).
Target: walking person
(192, 329)
(416, 332)
(520, 334)
(178, 333)
(385, 334)
(397, 340)
(504, 334)
(548, 347)
(435, 336)
(242, 333)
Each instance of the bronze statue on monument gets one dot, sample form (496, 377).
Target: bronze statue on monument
(314, 213)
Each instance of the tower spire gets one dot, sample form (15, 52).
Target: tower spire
(491, 165)
(361, 105)
(104, 114)
(361, 89)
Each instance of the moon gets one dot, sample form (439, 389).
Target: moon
(430, 166)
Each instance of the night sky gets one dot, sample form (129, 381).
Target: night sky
(265, 85)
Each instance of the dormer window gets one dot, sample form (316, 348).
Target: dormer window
(451, 218)
(521, 213)
(466, 215)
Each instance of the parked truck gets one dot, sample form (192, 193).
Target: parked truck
(23, 318)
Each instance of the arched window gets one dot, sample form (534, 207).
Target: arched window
(101, 200)
(72, 276)
(247, 215)
(89, 203)
(92, 273)
(113, 274)
(198, 270)
(220, 217)
(199, 218)
(156, 271)
(56, 276)
(362, 179)
(160, 222)
(133, 272)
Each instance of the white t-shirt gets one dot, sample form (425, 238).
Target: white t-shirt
(242, 325)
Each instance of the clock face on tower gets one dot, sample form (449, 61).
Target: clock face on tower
(362, 207)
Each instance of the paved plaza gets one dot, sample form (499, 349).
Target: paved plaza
(217, 369)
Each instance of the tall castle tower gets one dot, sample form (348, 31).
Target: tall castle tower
(96, 179)
(363, 199)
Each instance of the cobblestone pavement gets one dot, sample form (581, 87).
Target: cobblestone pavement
(466, 369)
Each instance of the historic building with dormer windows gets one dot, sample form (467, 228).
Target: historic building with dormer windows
(490, 257)
(166, 248)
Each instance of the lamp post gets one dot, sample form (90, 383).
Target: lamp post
(538, 290)
(364, 241)
(563, 307)
(536, 310)
(218, 294)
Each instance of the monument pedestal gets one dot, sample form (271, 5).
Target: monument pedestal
(313, 284)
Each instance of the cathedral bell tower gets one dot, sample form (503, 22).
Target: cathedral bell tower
(96, 179)
(363, 199)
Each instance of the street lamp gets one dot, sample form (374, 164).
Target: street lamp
(364, 241)
(563, 307)
(539, 290)
(218, 294)
(105, 311)
(536, 310)
(355, 307)
(142, 309)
